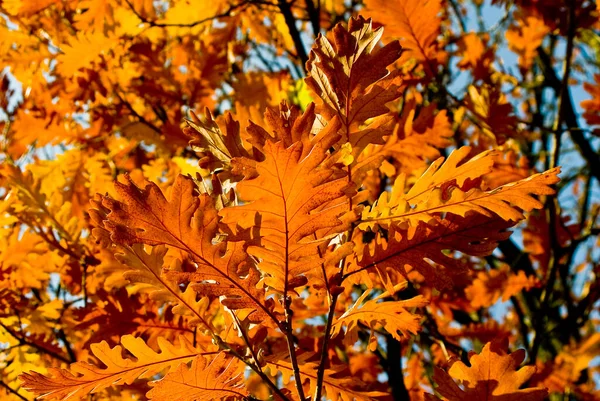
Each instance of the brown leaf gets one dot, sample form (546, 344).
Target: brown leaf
(349, 76)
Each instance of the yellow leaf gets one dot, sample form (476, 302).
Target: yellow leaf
(26, 7)
(82, 50)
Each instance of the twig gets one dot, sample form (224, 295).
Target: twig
(461, 21)
(324, 347)
(289, 336)
(63, 337)
(11, 390)
(24, 341)
(255, 366)
(522, 326)
(570, 117)
(136, 114)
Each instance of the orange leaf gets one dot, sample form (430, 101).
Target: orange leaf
(83, 378)
(488, 287)
(286, 204)
(415, 22)
(187, 222)
(492, 376)
(392, 315)
(220, 379)
(477, 235)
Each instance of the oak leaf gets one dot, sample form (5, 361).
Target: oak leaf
(495, 114)
(492, 376)
(525, 38)
(415, 22)
(26, 7)
(219, 379)
(83, 378)
(190, 223)
(477, 235)
(350, 79)
(444, 188)
(82, 50)
(415, 141)
(292, 198)
(490, 286)
(392, 315)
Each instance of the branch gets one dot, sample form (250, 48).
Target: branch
(566, 113)
(135, 113)
(290, 21)
(314, 14)
(394, 369)
(289, 336)
(570, 117)
(461, 21)
(323, 359)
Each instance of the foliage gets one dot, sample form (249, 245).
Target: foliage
(193, 206)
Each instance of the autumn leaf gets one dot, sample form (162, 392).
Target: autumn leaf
(392, 315)
(187, 222)
(414, 142)
(82, 50)
(477, 55)
(477, 235)
(415, 22)
(495, 114)
(292, 198)
(218, 143)
(439, 189)
(218, 379)
(83, 378)
(490, 286)
(591, 106)
(525, 38)
(350, 79)
(145, 272)
(318, 201)
(26, 7)
(493, 375)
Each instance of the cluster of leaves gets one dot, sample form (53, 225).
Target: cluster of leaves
(333, 223)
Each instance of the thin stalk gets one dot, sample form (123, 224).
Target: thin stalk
(255, 364)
